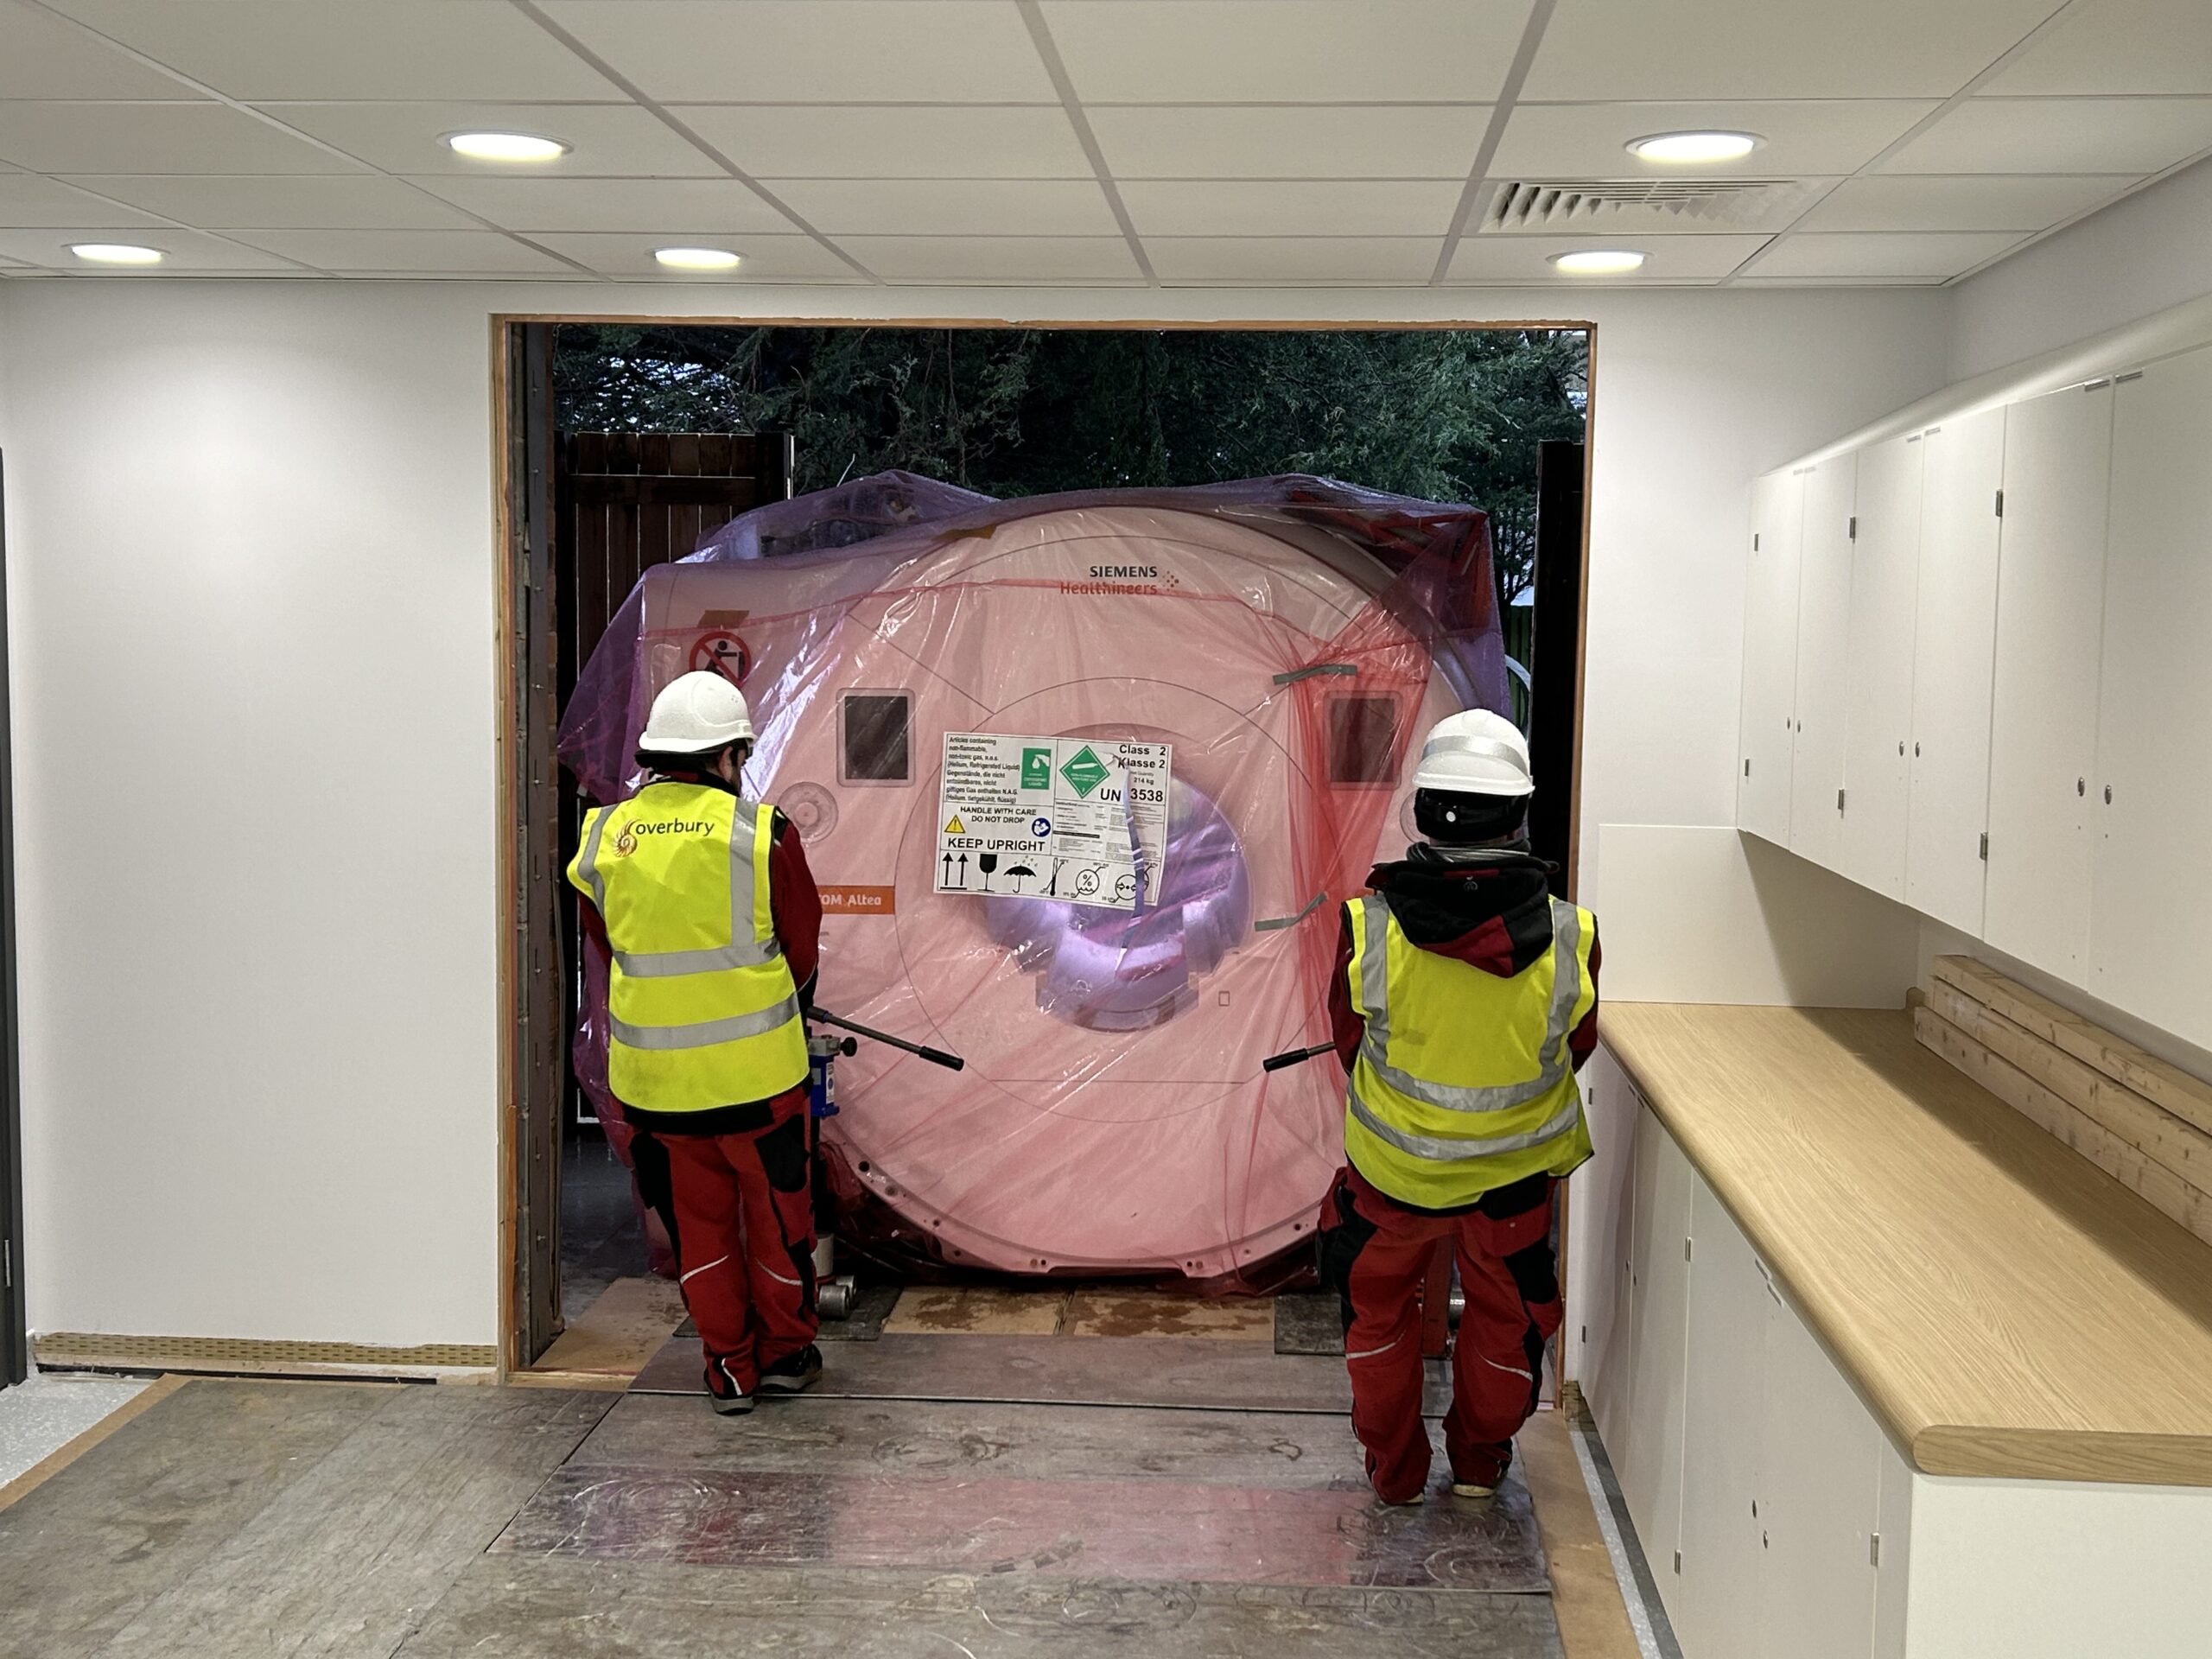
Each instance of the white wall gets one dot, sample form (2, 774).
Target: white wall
(2144, 255)
(254, 569)
(252, 616)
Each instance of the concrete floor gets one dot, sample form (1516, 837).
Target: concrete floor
(237, 1517)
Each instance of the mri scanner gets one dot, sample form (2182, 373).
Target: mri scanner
(1285, 638)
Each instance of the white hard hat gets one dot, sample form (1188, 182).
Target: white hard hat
(1476, 752)
(696, 714)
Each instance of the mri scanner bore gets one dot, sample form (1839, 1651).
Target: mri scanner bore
(1280, 640)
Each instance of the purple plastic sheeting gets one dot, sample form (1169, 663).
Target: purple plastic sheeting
(1288, 638)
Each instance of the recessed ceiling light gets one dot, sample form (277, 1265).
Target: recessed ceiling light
(696, 258)
(1597, 262)
(116, 253)
(1694, 146)
(504, 146)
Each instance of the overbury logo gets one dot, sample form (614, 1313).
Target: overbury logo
(626, 843)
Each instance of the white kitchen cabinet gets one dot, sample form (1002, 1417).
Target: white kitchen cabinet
(1651, 1469)
(1878, 664)
(1820, 1484)
(1601, 1207)
(2042, 734)
(1953, 660)
(1728, 1316)
(1770, 657)
(2153, 791)
(1822, 707)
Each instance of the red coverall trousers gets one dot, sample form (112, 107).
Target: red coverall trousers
(740, 1210)
(1374, 1252)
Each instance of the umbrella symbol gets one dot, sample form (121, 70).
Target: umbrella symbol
(1015, 872)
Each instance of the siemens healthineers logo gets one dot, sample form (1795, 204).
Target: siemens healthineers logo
(1124, 579)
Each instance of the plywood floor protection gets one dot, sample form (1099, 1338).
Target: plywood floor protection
(232, 1517)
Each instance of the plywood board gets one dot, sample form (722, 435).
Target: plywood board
(1156, 1313)
(517, 1607)
(981, 1310)
(630, 1322)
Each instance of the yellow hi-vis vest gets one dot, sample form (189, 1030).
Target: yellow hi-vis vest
(702, 1011)
(1463, 1082)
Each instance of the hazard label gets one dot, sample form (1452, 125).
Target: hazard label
(1076, 819)
(723, 653)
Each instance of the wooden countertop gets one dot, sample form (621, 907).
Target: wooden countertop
(2006, 1308)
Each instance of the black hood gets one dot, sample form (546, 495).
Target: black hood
(1487, 907)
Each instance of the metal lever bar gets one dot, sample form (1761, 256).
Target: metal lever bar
(934, 1056)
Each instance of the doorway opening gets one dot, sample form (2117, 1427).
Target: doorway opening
(626, 443)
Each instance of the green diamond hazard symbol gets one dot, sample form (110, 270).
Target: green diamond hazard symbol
(1085, 771)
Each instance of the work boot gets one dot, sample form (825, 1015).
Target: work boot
(1406, 1503)
(793, 1372)
(722, 1392)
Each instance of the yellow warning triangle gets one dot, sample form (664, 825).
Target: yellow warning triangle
(955, 827)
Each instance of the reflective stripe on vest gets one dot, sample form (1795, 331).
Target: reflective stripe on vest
(691, 1026)
(1495, 1058)
(1374, 992)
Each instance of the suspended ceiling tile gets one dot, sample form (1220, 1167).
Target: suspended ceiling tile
(187, 250)
(1309, 141)
(69, 137)
(1295, 261)
(41, 56)
(722, 206)
(1897, 254)
(1980, 202)
(828, 141)
(1669, 259)
(1618, 50)
(29, 202)
(409, 252)
(950, 206)
(810, 51)
(767, 259)
(2116, 46)
(996, 260)
(350, 201)
(2060, 135)
(260, 49)
(1812, 137)
(609, 141)
(1303, 207)
(1287, 51)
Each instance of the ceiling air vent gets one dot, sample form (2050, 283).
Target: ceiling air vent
(1606, 204)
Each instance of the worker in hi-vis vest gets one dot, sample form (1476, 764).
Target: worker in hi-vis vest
(712, 924)
(1465, 1000)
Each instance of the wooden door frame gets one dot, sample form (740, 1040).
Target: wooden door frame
(514, 1034)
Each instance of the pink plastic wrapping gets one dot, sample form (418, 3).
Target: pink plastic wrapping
(1287, 636)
